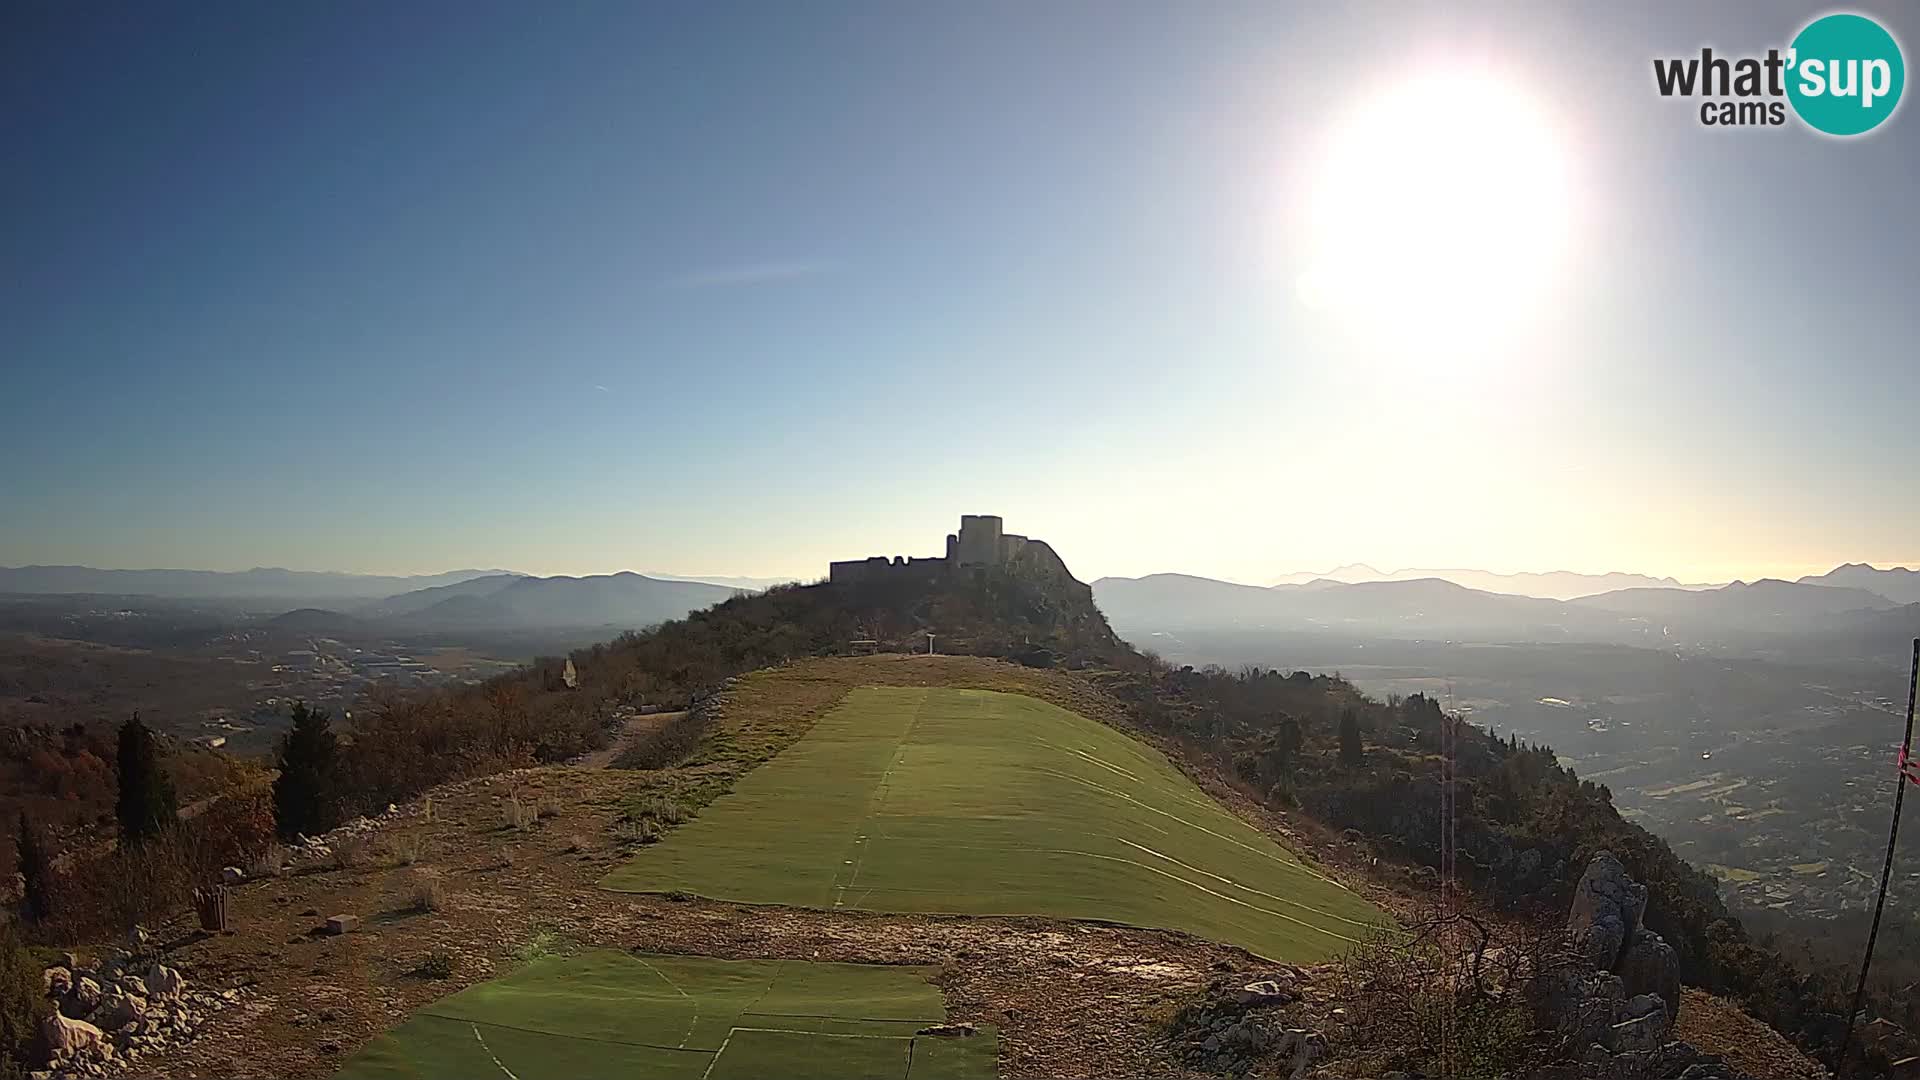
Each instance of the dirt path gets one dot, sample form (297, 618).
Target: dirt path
(631, 730)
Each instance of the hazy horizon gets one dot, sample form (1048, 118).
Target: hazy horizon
(821, 571)
(398, 289)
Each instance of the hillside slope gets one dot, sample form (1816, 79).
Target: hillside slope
(974, 802)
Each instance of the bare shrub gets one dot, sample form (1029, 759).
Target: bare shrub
(349, 852)
(1451, 995)
(408, 849)
(429, 892)
(515, 814)
(267, 863)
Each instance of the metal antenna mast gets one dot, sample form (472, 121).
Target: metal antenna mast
(1901, 780)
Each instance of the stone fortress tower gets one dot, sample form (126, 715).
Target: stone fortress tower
(981, 544)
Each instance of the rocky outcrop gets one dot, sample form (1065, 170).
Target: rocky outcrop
(1239, 1028)
(1649, 966)
(1615, 1009)
(109, 1016)
(1608, 908)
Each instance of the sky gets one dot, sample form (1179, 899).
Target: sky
(742, 288)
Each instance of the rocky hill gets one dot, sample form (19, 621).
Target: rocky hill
(477, 853)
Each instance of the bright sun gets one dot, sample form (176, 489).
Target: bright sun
(1440, 212)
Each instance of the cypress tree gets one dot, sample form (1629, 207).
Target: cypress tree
(1351, 750)
(146, 805)
(36, 871)
(306, 795)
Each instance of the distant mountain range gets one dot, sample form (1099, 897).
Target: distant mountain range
(1898, 584)
(624, 601)
(262, 583)
(627, 600)
(1435, 608)
(1740, 602)
(1556, 585)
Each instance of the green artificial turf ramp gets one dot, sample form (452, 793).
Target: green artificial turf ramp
(643, 1017)
(981, 803)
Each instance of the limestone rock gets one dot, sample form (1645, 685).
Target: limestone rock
(65, 1035)
(163, 981)
(1648, 965)
(82, 999)
(1608, 906)
(1641, 1033)
(120, 1012)
(343, 924)
(58, 981)
(1258, 994)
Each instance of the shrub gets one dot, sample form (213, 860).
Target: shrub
(437, 964)
(131, 885)
(237, 829)
(516, 814)
(350, 852)
(429, 893)
(407, 849)
(1452, 983)
(267, 864)
(23, 1003)
(544, 942)
(668, 744)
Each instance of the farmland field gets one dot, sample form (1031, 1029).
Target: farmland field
(639, 1017)
(982, 803)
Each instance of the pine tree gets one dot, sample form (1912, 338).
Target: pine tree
(146, 806)
(1352, 752)
(36, 872)
(306, 795)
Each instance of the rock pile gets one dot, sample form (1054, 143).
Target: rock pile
(110, 1015)
(1238, 1026)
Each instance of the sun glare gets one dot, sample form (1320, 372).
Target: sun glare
(1438, 213)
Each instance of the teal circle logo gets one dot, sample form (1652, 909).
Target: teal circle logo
(1845, 74)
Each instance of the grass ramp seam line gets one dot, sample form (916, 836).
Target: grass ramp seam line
(481, 1039)
(554, 1035)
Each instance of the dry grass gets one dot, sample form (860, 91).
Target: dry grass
(429, 892)
(517, 814)
(267, 864)
(350, 852)
(408, 849)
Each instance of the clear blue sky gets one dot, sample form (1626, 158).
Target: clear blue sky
(734, 288)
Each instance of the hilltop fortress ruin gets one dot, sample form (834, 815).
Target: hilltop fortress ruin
(981, 545)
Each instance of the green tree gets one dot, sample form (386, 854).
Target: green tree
(306, 795)
(36, 873)
(146, 806)
(1352, 751)
(23, 1002)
